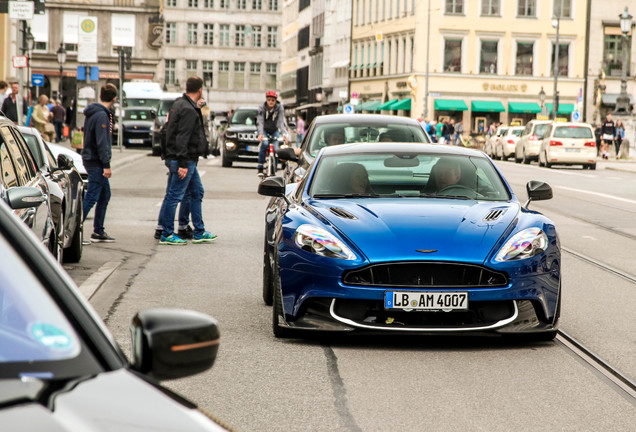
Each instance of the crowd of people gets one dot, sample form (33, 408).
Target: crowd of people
(444, 131)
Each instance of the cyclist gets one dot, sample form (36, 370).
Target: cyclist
(270, 122)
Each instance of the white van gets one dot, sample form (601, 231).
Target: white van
(142, 93)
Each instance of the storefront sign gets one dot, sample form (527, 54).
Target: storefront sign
(506, 88)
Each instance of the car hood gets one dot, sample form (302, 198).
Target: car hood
(111, 401)
(139, 123)
(240, 128)
(420, 228)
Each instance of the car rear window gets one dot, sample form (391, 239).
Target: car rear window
(583, 132)
(539, 129)
(517, 132)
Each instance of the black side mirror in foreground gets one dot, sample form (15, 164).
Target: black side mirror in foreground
(64, 162)
(172, 343)
(272, 186)
(537, 191)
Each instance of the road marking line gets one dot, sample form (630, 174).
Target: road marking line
(96, 280)
(597, 194)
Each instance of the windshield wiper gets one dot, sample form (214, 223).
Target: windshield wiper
(352, 195)
(462, 197)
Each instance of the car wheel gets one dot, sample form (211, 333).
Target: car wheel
(525, 159)
(517, 160)
(279, 332)
(74, 252)
(592, 166)
(268, 292)
(225, 161)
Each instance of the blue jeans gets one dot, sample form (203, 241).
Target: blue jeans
(177, 189)
(262, 150)
(59, 126)
(97, 192)
(184, 205)
(299, 139)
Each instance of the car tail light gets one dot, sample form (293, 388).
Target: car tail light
(555, 143)
(532, 138)
(590, 144)
(510, 141)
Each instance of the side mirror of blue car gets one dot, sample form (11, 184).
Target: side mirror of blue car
(537, 191)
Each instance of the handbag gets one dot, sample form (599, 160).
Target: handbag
(49, 128)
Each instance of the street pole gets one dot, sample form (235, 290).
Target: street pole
(19, 96)
(622, 102)
(555, 103)
(428, 44)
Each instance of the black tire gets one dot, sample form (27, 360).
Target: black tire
(517, 160)
(279, 332)
(525, 159)
(268, 283)
(592, 166)
(73, 253)
(225, 161)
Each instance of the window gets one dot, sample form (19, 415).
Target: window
(256, 36)
(191, 68)
(302, 4)
(563, 59)
(193, 3)
(241, 4)
(224, 4)
(527, 8)
(239, 75)
(524, 58)
(239, 36)
(224, 35)
(224, 74)
(208, 4)
(193, 33)
(273, 5)
(270, 77)
(488, 59)
(171, 33)
(453, 55)
(257, 4)
(272, 37)
(9, 178)
(208, 72)
(70, 47)
(612, 51)
(208, 34)
(452, 7)
(562, 8)
(490, 7)
(255, 76)
(171, 3)
(170, 69)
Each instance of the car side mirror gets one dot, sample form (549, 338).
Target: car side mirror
(64, 162)
(21, 197)
(287, 154)
(537, 191)
(272, 186)
(172, 343)
(153, 114)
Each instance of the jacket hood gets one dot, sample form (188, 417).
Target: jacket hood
(448, 230)
(94, 108)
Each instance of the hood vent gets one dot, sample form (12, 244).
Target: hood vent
(493, 215)
(342, 213)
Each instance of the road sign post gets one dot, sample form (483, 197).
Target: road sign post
(348, 109)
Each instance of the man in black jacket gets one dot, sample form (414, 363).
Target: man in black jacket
(10, 104)
(185, 142)
(96, 154)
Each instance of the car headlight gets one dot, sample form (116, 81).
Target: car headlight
(319, 241)
(524, 244)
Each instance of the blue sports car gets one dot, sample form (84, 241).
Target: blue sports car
(400, 237)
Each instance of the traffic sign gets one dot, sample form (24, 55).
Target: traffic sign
(21, 10)
(19, 62)
(354, 95)
(348, 109)
(576, 116)
(37, 80)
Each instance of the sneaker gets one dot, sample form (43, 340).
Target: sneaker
(86, 242)
(260, 173)
(206, 237)
(101, 238)
(172, 240)
(158, 234)
(186, 233)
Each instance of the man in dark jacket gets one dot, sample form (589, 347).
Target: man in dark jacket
(9, 105)
(96, 154)
(270, 122)
(185, 142)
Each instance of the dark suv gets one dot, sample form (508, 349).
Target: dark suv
(240, 140)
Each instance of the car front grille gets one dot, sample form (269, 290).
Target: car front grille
(425, 274)
(251, 136)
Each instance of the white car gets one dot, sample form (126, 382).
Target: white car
(529, 145)
(57, 149)
(568, 144)
(505, 145)
(491, 143)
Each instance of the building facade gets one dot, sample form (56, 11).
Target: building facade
(481, 61)
(234, 45)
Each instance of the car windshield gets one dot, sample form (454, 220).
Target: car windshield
(572, 131)
(401, 175)
(143, 102)
(539, 129)
(246, 117)
(343, 133)
(164, 107)
(34, 146)
(137, 115)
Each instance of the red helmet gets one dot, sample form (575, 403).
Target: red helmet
(271, 93)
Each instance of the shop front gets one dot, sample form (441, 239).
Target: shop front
(484, 113)
(520, 113)
(446, 109)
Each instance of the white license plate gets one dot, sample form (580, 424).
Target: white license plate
(253, 149)
(136, 141)
(573, 150)
(426, 300)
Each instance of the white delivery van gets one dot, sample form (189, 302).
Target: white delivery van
(142, 93)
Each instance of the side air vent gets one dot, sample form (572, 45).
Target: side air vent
(493, 215)
(342, 213)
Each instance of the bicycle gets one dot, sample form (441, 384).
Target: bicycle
(269, 168)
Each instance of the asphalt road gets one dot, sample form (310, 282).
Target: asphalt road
(383, 383)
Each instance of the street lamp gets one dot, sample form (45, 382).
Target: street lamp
(542, 100)
(555, 104)
(207, 80)
(622, 102)
(29, 43)
(61, 59)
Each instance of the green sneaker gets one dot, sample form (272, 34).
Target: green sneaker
(172, 240)
(206, 237)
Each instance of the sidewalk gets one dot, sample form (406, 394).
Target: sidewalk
(625, 165)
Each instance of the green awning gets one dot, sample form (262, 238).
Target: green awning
(387, 105)
(450, 105)
(524, 107)
(404, 104)
(370, 106)
(563, 108)
(487, 106)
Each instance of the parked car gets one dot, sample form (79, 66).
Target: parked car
(137, 126)
(506, 144)
(165, 103)
(568, 144)
(240, 140)
(61, 369)
(408, 238)
(529, 144)
(354, 128)
(491, 143)
(24, 188)
(66, 190)
(58, 149)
